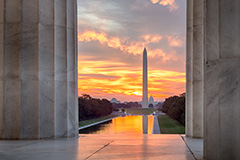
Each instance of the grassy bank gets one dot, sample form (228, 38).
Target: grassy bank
(140, 110)
(87, 122)
(170, 126)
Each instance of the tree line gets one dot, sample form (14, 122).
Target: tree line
(175, 107)
(90, 108)
(117, 106)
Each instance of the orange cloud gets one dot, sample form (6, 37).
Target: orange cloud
(152, 38)
(88, 36)
(170, 3)
(131, 47)
(113, 42)
(175, 41)
(116, 79)
(154, 1)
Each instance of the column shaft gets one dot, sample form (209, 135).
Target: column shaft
(2, 4)
(46, 69)
(222, 68)
(60, 68)
(29, 70)
(38, 69)
(71, 67)
(12, 69)
(189, 59)
(195, 57)
(211, 71)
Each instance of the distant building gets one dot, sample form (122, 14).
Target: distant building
(114, 100)
(151, 100)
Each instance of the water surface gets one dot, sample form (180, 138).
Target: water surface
(123, 125)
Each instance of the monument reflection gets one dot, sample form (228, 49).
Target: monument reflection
(123, 125)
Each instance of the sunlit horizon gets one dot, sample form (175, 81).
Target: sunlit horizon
(111, 47)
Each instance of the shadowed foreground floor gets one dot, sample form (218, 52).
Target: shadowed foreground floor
(109, 147)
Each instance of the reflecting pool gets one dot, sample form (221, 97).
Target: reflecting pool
(123, 125)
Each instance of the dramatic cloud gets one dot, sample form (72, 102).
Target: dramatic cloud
(170, 3)
(154, 1)
(175, 41)
(152, 38)
(134, 47)
(102, 37)
(112, 35)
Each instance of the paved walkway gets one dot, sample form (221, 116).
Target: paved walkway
(156, 128)
(108, 147)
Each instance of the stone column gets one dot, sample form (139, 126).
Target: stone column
(222, 80)
(194, 69)
(38, 69)
(1, 65)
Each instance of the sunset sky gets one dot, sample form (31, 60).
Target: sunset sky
(112, 35)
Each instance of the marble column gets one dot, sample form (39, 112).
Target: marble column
(1, 65)
(222, 76)
(194, 69)
(221, 96)
(38, 69)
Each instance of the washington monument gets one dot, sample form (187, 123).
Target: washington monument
(145, 80)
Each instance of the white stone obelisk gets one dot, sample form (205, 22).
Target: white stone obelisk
(145, 81)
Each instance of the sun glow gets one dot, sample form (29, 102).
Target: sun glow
(111, 38)
(109, 77)
(95, 78)
(137, 93)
